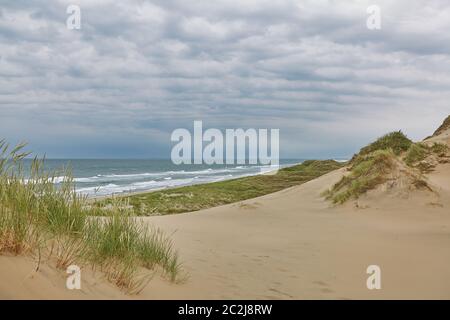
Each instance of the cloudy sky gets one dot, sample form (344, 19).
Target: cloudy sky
(136, 70)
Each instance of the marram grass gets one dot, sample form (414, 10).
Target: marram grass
(366, 174)
(38, 216)
(370, 167)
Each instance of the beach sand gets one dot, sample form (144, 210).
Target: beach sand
(292, 244)
(288, 245)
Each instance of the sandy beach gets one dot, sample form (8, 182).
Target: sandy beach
(223, 150)
(288, 245)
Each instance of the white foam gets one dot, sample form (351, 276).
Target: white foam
(123, 183)
(136, 186)
(164, 174)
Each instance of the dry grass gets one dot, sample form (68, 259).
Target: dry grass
(369, 172)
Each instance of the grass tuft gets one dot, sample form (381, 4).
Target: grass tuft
(416, 153)
(35, 214)
(395, 141)
(371, 166)
(439, 149)
(369, 172)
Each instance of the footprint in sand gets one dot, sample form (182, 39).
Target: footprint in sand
(281, 293)
(249, 206)
(324, 286)
(321, 283)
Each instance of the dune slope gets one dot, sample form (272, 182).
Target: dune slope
(293, 245)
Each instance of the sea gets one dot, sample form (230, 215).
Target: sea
(101, 177)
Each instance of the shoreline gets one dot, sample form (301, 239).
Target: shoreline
(284, 245)
(207, 195)
(268, 236)
(135, 193)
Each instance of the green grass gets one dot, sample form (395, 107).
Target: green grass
(416, 153)
(395, 141)
(369, 168)
(133, 242)
(202, 196)
(439, 149)
(37, 216)
(365, 175)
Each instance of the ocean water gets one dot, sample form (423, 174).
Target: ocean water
(107, 177)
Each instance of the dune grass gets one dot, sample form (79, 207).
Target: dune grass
(371, 166)
(420, 155)
(202, 196)
(439, 149)
(396, 141)
(37, 216)
(365, 175)
(416, 152)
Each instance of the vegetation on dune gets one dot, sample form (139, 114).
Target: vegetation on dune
(373, 164)
(38, 217)
(202, 196)
(416, 152)
(424, 157)
(395, 141)
(439, 149)
(365, 175)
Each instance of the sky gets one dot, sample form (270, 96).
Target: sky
(137, 70)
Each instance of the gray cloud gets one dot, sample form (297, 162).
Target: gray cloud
(139, 69)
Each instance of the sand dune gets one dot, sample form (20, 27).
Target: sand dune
(293, 245)
(442, 134)
(288, 245)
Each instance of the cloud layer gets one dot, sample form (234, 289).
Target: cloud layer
(139, 69)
